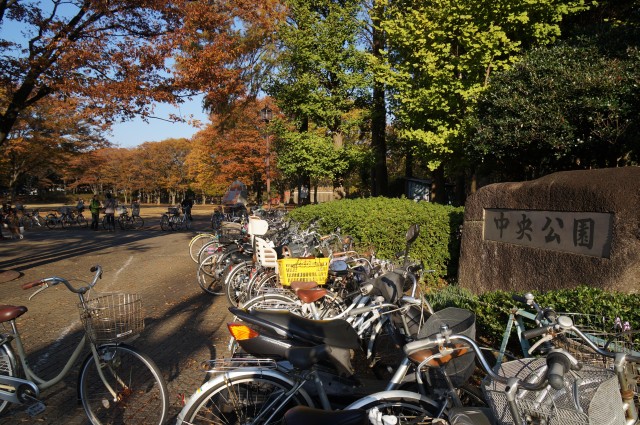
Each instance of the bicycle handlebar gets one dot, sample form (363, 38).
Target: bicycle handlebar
(54, 280)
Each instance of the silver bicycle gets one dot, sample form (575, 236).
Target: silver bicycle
(117, 383)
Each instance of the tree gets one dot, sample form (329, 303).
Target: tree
(108, 56)
(44, 140)
(232, 147)
(321, 80)
(441, 54)
(574, 105)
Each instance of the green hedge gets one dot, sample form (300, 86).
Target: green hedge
(492, 308)
(382, 223)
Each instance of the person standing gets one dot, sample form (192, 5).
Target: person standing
(94, 207)
(109, 211)
(187, 204)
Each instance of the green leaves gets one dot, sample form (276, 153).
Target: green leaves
(441, 54)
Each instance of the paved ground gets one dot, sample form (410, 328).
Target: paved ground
(184, 326)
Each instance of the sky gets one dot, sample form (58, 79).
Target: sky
(133, 133)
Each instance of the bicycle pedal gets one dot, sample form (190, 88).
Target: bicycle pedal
(36, 408)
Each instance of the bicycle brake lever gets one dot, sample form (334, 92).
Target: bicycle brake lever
(42, 288)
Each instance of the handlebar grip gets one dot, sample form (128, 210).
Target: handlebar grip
(519, 298)
(532, 333)
(558, 365)
(30, 285)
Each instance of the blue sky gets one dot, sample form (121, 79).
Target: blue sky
(136, 132)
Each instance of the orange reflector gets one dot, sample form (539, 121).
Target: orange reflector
(240, 331)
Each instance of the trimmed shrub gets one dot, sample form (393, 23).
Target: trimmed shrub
(381, 224)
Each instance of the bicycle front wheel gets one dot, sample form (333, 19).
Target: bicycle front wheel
(141, 393)
(207, 279)
(51, 221)
(249, 398)
(164, 222)
(138, 222)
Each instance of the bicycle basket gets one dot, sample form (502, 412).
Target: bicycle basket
(597, 392)
(173, 211)
(460, 321)
(303, 270)
(112, 317)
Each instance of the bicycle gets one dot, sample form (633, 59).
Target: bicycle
(31, 219)
(52, 220)
(173, 220)
(127, 221)
(79, 219)
(116, 381)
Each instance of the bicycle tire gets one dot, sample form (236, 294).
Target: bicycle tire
(209, 283)
(82, 222)
(407, 407)
(8, 367)
(197, 242)
(142, 395)
(236, 281)
(51, 221)
(208, 248)
(138, 222)
(122, 222)
(241, 398)
(165, 224)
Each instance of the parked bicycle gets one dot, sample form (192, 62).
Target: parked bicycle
(127, 221)
(64, 220)
(174, 220)
(117, 383)
(31, 219)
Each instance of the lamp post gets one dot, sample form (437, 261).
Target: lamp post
(265, 115)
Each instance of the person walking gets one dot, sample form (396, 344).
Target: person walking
(94, 207)
(109, 211)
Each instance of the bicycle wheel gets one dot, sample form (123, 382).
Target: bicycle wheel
(176, 223)
(263, 283)
(137, 222)
(122, 222)
(245, 398)
(165, 224)
(66, 222)
(82, 222)
(141, 393)
(236, 283)
(51, 221)
(407, 407)
(197, 242)
(207, 279)
(7, 368)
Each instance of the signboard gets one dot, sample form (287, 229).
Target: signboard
(586, 233)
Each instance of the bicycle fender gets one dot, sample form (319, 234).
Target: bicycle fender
(393, 394)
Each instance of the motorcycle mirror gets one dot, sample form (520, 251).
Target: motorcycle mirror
(413, 233)
(338, 266)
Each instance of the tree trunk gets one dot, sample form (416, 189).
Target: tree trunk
(438, 192)
(380, 181)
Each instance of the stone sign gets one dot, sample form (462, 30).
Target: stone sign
(577, 232)
(560, 231)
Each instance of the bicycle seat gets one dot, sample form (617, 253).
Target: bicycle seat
(10, 312)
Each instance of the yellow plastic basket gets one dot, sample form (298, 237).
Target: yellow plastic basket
(303, 270)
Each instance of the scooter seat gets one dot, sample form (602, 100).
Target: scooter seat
(336, 333)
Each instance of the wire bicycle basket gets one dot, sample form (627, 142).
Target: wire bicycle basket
(589, 396)
(112, 317)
